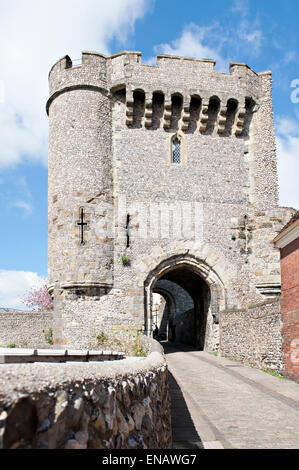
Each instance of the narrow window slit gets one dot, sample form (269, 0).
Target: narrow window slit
(176, 151)
(128, 230)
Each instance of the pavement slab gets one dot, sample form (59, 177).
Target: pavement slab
(219, 403)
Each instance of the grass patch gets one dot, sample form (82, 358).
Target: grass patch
(274, 373)
(102, 338)
(125, 260)
(131, 342)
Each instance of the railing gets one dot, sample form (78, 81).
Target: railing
(17, 356)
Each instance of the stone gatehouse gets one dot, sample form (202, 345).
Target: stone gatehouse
(163, 196)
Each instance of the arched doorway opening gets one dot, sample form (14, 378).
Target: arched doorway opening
(182, 299)
(163, 310)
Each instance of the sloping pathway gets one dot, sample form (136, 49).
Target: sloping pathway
(219, 403)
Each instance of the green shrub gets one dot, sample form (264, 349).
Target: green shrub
(49, 336)
(101, 338)
(125, 260)
(138, 348)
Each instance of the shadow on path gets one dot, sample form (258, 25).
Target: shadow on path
(170, 347)
(184, 434)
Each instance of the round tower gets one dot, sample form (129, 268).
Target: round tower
(80, 247)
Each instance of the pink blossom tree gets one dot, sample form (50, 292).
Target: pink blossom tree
(39, 299)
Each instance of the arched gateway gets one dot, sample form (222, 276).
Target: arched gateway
(193, 295)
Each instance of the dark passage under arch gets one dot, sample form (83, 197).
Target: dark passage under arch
(181, 315)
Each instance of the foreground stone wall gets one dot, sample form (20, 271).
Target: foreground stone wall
(26, 329)
(253, 335)
(123, 405)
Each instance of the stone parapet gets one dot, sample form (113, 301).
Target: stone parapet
(120, 404)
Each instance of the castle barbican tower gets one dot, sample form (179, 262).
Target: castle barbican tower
(163, 196)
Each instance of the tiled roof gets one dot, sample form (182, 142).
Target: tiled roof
(291, 221)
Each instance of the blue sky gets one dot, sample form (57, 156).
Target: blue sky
(34, 34)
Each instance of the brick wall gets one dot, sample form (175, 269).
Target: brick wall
(290, 308)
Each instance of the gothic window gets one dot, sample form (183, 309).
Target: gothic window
(176, 151)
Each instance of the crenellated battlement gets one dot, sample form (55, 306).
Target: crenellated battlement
(170, 75)
(163, 61)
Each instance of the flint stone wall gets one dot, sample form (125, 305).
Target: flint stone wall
(253, 335)
(122, 405)
(25, 329)
(113, 160)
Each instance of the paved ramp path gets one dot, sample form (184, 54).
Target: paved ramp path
(218, 403)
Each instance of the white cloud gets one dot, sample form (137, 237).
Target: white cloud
(287, 143)
(208, 42)
(287, 127)
(22, 197)
(15, 285)
(240, 6)
(25, 206)
(254, 38)
(34, 34)
(248, 31)
(290, 56)
(193, 43)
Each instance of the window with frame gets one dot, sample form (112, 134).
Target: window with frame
(176, 151)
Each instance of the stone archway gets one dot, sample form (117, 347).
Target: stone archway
(199, 327)
(165, 311)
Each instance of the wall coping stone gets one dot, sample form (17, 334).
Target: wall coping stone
(33, 377)
(9, 355)
(259, 304)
